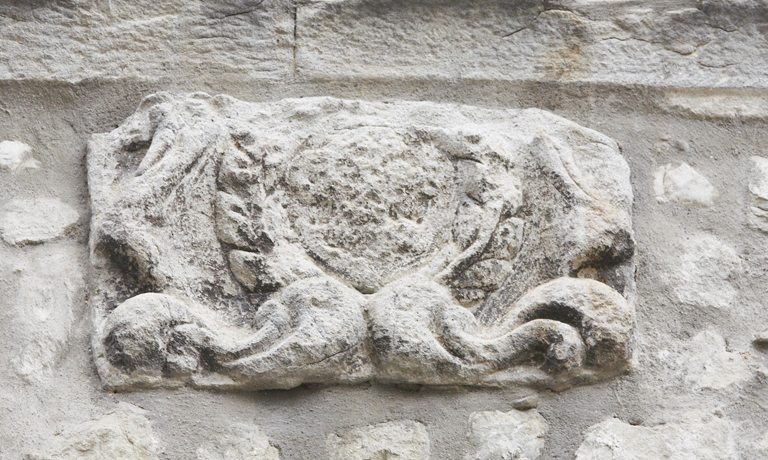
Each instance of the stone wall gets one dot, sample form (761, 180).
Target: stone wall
(186, 276)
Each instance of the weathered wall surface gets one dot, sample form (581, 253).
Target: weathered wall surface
(679, 86)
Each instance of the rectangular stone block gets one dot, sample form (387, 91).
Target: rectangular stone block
(87, 39)
(714, 44)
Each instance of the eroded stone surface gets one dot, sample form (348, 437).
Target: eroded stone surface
(682, 184)
(712, 43)
(696, 436)
(34, 221)
(122, 435)
(499, 435)
(407, 440)
(322, 240)
(708, 44)
(242, 442)
(143, 39)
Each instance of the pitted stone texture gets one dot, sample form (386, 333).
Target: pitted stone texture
(499, 435)
(242, 442)
(710, 43)
(34, 221)
(121, 435)
(696, 436)
(144, 39)
(701, 273)
(322, 240)
(682, 184)
(406, 440)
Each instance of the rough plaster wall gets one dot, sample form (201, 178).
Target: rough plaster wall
(671, 82)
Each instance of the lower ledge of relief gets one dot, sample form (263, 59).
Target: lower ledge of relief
(521, 376)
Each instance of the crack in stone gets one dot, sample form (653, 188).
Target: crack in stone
(533, 21)
(715, 66)
(240, 13)
(295, 35)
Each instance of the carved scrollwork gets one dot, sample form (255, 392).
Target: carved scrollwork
(242, 245)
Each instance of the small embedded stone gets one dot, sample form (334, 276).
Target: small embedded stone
(16, 155)
(122, 435)
(242, 441)
(406, 439)
(683, 184)
(691, 437)
(35, 221)
(514, 434)
(527, 403)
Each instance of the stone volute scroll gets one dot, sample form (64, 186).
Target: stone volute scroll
(318, 240)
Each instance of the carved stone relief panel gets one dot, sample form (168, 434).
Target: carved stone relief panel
(266, 245)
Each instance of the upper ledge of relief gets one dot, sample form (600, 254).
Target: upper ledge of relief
(685, 44)
(668, 44)
(78, 40)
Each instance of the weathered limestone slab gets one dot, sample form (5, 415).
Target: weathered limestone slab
(711, 43)
(696, 436)
(322, 240)
(405, 439)
(46, 301)
(700, 274)
(123, 38)
(499, 435)
(35, 221)
(122, 435)
(709, 365)
(272, 244)
(242, 442)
